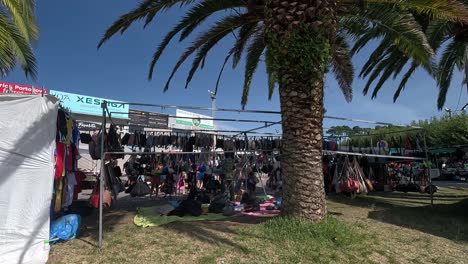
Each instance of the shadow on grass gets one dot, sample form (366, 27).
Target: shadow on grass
(447, 220)
(221, 232)
(208, 232)
(444, 220)
(89, 228)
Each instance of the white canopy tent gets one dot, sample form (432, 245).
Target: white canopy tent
(27, 143)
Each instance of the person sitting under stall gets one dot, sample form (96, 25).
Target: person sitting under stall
(251, 182)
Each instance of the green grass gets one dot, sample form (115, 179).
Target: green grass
(327, 233)
(300, 241)
(378, 228)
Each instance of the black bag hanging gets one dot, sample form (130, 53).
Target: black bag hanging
(125, 139)
(140, 188)
(85, 138)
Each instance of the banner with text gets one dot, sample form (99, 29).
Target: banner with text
(192, 121)
(19, 89)
(82, 104)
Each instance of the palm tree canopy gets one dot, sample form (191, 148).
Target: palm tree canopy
(386, 60)
(18, 31)
(360, 20)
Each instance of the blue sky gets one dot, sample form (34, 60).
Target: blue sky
(69, 61)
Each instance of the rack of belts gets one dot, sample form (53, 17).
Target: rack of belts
(267, 123)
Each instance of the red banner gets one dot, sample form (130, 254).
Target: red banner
(20, 89)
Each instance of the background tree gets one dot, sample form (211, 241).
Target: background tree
(18, 31)
(301, 39)
(440, 132)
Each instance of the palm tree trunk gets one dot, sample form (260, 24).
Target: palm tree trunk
(298, 51)
(302, 115)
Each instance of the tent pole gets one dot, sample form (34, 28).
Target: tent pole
(101, 173)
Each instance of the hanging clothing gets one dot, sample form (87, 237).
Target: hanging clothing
(69, 159)
(58, 195)
(60, 151)
(76, 136)
(61, 125)
(79, 178)
(71, 182)
(69, 131)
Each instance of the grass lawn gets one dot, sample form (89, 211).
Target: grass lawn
(377, 228)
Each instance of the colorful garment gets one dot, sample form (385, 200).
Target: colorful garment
(60, 153)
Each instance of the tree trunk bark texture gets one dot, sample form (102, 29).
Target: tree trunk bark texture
(298, 42)
(302, 115)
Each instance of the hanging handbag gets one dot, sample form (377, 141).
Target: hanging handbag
(92, 150)
(85, 138)
(94, 199)
(350, 185)
(113, 143)
(140, 188)
(107, 198)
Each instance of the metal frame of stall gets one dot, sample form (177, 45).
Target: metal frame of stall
(267, 124)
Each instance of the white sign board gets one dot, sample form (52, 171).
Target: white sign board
(192, 121)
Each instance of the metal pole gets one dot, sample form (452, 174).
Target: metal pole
(101, 173)
(213, 106)
(431, 193)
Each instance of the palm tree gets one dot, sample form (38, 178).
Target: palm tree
(301, 38)
(18, 31)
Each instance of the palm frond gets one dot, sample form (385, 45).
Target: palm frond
(451, 10)
(438, 32)
(15, 47)
(197, 13)
(222, 70)
(272, 79)
(147, 8)
(404, 80)
(254, 54)
(201, 54)
(388, 61)
(403, 30)
(204, 9)
(220, 29)
(343, 67)
(245, 32)
(375, 57)
(394, 64)
(452, 55)
(22, 13)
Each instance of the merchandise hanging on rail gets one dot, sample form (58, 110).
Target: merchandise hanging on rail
(67, 177)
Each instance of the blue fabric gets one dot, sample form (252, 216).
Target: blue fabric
(200, 176)
(75, 135)
(174, 203)
(64, 228)
(202, 168)
(278, 201)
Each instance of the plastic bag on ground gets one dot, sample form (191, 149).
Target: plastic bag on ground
(64, 228)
